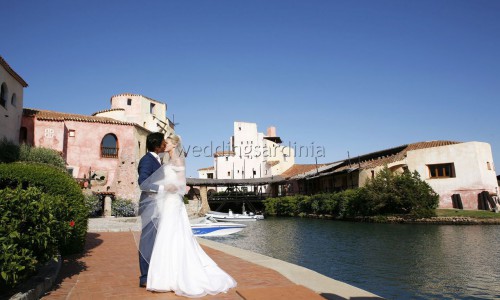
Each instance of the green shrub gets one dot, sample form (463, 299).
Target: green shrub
(9, 152)
(41, 155)
(54, 182)
(123, 208)
(93, 205)
(392, 193)
(27, 226)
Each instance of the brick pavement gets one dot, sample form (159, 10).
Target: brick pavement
(108, 269)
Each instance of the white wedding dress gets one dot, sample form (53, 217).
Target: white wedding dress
(178, 263)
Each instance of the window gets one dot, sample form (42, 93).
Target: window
(109, 146)
(210, 175)
(71, 133)
(254, 172)
(129, 101)
(70, 171)
(441, 170)
(373, 174)
(228, 173)
(3, 94)
(151, 108)
(13, 100)
(227, 158)
(488, 165)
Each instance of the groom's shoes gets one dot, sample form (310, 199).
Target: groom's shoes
(142, 284)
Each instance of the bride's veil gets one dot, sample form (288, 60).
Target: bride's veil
(150, 206)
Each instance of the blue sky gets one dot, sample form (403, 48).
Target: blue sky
(357, 76)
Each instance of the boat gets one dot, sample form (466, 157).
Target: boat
(209, 226)
(232, 217)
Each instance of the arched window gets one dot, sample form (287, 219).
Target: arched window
(109, 146)
(13, 100)
(3, 94)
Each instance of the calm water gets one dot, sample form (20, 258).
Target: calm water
(394, 261)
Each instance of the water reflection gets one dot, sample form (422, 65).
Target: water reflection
(392, 260)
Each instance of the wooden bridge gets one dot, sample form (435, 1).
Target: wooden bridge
(203, 185)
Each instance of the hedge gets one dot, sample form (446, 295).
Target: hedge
(386, 194)
(27, 227)
(54, 182)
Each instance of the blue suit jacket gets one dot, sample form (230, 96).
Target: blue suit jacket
(147, 166)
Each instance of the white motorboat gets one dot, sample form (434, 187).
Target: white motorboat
(209, 226)
(232, 217)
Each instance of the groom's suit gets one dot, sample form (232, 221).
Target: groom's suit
(147, 166)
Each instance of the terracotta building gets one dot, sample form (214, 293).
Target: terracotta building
(103, 150)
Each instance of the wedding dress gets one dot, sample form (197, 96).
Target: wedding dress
(178, 263)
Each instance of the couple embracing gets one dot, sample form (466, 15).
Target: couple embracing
(170, 258)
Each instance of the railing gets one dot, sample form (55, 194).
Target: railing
(109, 152)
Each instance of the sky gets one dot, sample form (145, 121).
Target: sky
(353, 76)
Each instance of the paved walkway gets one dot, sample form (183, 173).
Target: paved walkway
(108, 269)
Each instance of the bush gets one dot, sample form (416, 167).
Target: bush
(27, 224)
(41, 155)
(123, 208)
(406, 193)
(9, 152)
(56, 183)
(93, 205)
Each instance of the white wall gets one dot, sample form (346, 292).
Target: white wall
(10, 115)
(471, 169)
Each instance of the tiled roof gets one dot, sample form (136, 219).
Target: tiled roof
(207, 169)
(299, 169)
(12, 72)
(58, 116)
(223, 153)
(136, 95)
(387, 156)
(107, 110)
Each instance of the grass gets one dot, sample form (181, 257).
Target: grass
(478, 214)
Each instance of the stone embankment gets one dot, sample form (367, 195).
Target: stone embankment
(409, 220)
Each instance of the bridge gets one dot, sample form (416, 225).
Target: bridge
(204, 183)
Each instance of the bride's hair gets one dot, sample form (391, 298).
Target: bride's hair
(179, 155)
(175, 138)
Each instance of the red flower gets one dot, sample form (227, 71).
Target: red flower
(72, 223)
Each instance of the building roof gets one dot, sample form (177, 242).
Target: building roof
(224, 153)
(135, 95)
(207, 169)
(388, 156)
(11, 71)
(59, 116)
(299, 169)
(107, 110)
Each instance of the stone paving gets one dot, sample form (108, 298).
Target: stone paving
(108, 269)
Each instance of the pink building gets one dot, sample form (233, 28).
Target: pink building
(102, 148)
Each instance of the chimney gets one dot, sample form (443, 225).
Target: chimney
(271, 131)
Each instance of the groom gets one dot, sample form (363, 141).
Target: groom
(149, 163)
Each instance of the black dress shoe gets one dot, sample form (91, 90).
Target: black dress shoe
(142, 285)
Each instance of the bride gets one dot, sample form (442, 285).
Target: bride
(178, 263)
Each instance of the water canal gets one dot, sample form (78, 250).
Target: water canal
(395, 261)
